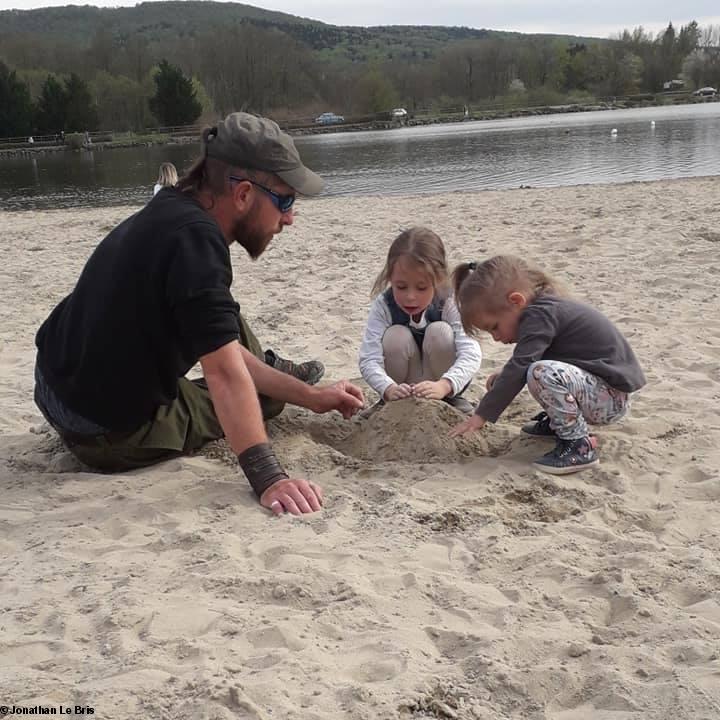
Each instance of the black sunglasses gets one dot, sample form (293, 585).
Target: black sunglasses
(282, 202)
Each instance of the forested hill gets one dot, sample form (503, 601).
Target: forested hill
(156, 22)
(170, 63)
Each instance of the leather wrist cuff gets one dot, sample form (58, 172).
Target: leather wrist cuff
(261, 467)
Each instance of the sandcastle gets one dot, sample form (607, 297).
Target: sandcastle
(415, 430)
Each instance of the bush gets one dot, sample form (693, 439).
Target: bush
(75, 140)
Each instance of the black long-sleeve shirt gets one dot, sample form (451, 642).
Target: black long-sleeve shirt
(557, 328)
(152, 299)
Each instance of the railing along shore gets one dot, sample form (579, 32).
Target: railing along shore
(102, 139)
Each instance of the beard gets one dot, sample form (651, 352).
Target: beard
(247, 233)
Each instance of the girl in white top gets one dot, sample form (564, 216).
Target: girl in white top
(414, 343)
(167, 177)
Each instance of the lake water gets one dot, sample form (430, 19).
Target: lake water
(548, 150)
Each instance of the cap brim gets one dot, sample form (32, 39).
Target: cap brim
(302, 180)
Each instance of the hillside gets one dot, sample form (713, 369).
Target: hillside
(156, 22)
(242, 57)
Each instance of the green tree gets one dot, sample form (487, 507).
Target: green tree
(80, 111)
(15, 105)
(575, 68)
(174, 102)
(688, 39)
(52, 106)
(375, 93)
(122, 102)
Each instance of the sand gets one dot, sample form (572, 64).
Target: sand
(443, 579)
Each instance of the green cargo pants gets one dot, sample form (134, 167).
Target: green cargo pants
(188, 423)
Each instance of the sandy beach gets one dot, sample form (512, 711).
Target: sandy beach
(442, 579)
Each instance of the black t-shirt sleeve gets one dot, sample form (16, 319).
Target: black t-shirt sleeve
(198, 290)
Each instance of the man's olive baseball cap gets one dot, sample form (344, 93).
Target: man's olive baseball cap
(258, 143)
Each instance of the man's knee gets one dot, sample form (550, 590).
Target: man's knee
(105, 456)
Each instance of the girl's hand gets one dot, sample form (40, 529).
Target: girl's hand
(433, 390)
(398, 392)
(468, 426)
(491, 381)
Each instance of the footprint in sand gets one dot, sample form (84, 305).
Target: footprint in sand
(373, 663)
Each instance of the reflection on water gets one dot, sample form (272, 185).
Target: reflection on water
(546, 150)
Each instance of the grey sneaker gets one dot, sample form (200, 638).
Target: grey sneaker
(539, 428)
(569, 456)
(460, 403)
(309, 372)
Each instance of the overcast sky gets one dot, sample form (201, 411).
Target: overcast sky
(572, 17)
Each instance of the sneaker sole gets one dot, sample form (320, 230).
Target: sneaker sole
(565, 470)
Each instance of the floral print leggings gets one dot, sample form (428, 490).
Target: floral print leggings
(572, 398)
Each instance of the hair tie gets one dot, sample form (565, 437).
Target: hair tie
(472, 266)
(208, 135)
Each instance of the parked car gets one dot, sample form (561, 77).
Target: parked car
(329, 118)
(399, 113)
(705, 92)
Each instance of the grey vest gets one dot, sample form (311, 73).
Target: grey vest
(433, 313)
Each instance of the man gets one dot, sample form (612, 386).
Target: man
(154, 298)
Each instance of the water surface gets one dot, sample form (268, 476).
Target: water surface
(547, 150)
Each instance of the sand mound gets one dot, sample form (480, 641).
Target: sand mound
(417, 431)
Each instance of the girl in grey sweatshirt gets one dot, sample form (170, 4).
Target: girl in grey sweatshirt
(575, 362)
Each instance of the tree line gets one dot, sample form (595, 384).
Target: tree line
(135, 80)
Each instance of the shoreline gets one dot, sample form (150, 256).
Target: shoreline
(475, 116)
(381, 196)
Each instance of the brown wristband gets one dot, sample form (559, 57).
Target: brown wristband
(261, 467)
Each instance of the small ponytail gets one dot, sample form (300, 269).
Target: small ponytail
(459, 275)
(208, 134)
(485, 286)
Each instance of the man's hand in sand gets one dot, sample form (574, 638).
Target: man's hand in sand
(432, 389)
(294, 496)
(491, 381)
(342, 396)
(468, 426)
(398, 392)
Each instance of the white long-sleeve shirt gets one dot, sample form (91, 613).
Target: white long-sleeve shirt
(468, 355)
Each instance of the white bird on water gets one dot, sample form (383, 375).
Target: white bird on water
(652, 123)
(613, 132)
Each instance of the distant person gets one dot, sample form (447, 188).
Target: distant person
(154, 299)
(414, 343)
(167, 177)
(575, 362)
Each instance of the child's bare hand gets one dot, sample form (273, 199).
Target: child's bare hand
(432, 390)
(468, 426)
(398, 392)
(491, 380)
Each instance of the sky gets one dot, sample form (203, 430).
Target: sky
(565, 17)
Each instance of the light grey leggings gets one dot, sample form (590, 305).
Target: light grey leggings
(572, 398)
(406, 363)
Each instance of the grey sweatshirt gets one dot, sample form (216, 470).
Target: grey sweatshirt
(556, 328)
